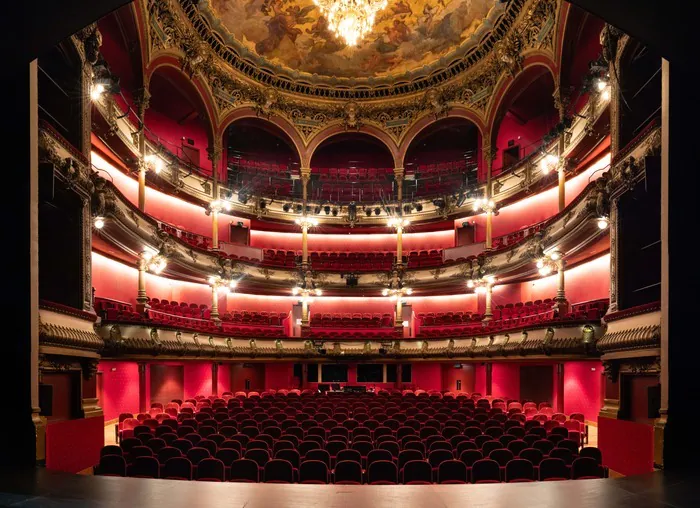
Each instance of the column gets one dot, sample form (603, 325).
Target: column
(660, 424)
(488, 314)
(399, 311)
(562, 303)
(562, 181)
(489, 378)
(560, 103)
(560, 388)
(399, 244)
(39, 422)
(304, 309)
(398, 177)
(141, 297)
(305, 241)
(142, 98)
(142, 388)
(214, 155)
(215, 378)
(489, 155)
(214, 314)
(305, 176)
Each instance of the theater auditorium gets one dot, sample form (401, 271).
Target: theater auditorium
(387, 252)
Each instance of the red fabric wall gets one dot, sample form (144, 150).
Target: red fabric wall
(353, 242)
(450, 375)
(427, 375)
(172, 132)
(239, 301)
(628, 447)
(585, 282)
(582, 388)
(167, 208)
(120, 388)
(537, 208)
(278, 376)
(74, 445)
(240, 372)
(337, 304)
(527, 135)
(505, 380)
(480, 378)
(197, 379)
(224, 379)
(465, 302)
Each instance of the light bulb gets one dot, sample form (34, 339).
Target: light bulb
(555, 256)
(212, 280)
(409, 291)
(296, 291)
(233, 284)
(405, 324)
(606, 95)
(480, 290)
(97, 91)
(540, 263)
(601, 85)
(385, 292)
(319, 292)
(602, 223)
(99, 222)
(470, 284)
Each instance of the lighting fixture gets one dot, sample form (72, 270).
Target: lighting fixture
(419, 207)
(96, 91)
(606, 94)
(486, 205)
(335, 212)
(219, 205)
(154, 162)
(603, 222)
(377, 211)
(601, 85)
(548, 263)
(99, 222)
(394, 294)
(481, 284)
(397, 222)
(404, 324)
(286, 207)
(548, 163)
(306, 222)
(221, 284)
(350, 20)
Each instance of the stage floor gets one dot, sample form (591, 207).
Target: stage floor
(41, 488)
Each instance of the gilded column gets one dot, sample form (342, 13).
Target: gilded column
(488, 313)
(142, 98)
(214, 154)
(305, 309)
(489, 154)
(398, 177)
(305, 177)
(560, 103)
(141, 297)
(562, 303)
(214, 314)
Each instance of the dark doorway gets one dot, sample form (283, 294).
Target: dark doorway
(536, 383)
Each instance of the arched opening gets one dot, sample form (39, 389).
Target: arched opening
(61, 94)
(580, 48)
(640, 90)
(443, 158)
(260, 159)
(177, 118)
(526, 114)
(351, 167)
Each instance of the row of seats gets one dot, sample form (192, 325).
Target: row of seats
(351, 173)
(347, 320)
(199, 241)
(457, 166)
(254, 166)
(238, 444)
(355, 261)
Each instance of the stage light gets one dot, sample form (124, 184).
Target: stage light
(97, 91)
(99, 222)
(602, 223)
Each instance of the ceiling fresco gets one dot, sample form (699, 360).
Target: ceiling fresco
(408, 35)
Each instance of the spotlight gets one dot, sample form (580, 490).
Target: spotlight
(407, 209)
(419, 207)
(602, 223)
(298, 208)
(99, 222)
(243, 198)
(286, 207)
(352, 211)
(335, 212)
(377, 211)
(382, 351)
(317, 209)
(439, 203)
(368, 212)
(262, 204)
(327, 209)
(601, 85)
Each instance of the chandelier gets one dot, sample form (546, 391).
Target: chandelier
(350, 19)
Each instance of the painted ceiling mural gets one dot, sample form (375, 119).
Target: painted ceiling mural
(407, 34)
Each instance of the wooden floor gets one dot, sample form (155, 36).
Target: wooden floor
(40, 488)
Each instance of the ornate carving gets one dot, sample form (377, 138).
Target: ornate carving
(351, 115)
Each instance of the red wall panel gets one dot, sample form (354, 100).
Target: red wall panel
(74, 445)
(480, 379)
(582, 388)
(172, 132)
(166, 382)
(427, 375)
(197, 379)
(526, 135)
(279, 376)
(255, 372)
(120, 388)
(585, 282)
(450, 375)
(628, 447)
(505, 380)
(224, 379)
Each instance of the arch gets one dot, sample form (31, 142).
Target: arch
(172, 62)
(275, 120)
(428, 120)
(334, 130)
(508, 83)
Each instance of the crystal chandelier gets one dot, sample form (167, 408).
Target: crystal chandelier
(350, 19)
